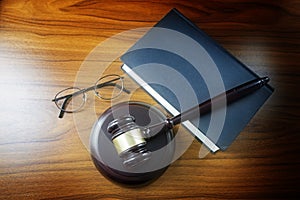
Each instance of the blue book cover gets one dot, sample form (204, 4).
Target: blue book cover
(180, 66)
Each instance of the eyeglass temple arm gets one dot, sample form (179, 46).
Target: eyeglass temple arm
(70, 95)
(108, 83)
(114, 84)
(63, 107)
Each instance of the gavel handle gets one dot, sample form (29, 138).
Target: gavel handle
(227, 97)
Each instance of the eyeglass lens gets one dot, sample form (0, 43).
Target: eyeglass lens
(70, 102)
(109, 87)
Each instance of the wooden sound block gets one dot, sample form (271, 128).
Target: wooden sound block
(108, 162)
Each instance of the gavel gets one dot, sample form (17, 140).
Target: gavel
(129, 139)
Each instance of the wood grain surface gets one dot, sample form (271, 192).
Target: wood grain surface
(42, 46)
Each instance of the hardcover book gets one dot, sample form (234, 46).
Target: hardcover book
(180, 66)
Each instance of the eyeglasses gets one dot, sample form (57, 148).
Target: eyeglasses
(72, 99)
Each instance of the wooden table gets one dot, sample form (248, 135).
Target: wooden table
(42, 46)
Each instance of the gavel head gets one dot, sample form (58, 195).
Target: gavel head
(129, 141)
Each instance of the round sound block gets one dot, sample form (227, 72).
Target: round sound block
(107, 160)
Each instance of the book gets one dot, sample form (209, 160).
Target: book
(180, 66)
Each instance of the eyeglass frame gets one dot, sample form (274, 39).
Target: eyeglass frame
(84, 90)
